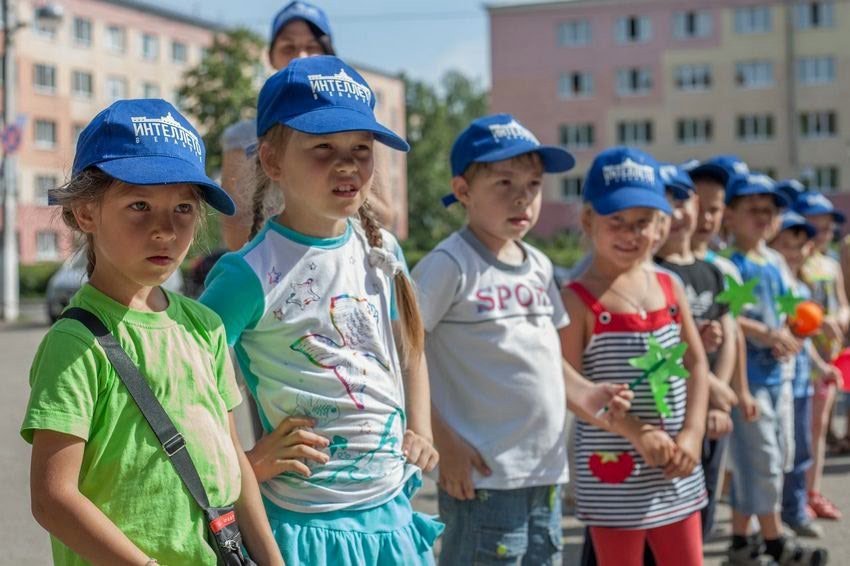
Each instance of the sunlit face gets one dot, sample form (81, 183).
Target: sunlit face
(709, 218)
(623, 238)
(825, 226)
(295, 40)
(795, 246)
(752, 218)
(683, 220)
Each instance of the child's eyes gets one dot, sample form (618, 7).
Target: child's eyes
(140, 205)
(185, 208)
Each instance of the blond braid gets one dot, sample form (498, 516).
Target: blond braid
(258, 212)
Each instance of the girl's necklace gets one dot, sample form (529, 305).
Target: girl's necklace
(636, 305)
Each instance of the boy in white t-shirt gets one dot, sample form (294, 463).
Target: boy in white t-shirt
(492, 311)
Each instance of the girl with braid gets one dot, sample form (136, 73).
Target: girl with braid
(327, 332)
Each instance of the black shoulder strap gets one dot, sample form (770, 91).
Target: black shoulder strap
(163, 427)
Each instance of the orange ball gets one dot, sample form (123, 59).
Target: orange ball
(807, 319)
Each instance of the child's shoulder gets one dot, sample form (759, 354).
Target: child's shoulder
(198, 313)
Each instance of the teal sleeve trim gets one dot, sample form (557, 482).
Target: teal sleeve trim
(235, 293)
(312, 241)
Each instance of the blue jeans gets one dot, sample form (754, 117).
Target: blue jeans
(794, 495)
(502, 526)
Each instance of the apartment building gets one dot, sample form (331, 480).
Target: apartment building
(682, 79)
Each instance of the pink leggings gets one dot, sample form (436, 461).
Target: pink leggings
(679, 544)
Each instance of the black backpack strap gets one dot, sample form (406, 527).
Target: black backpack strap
(163, 427)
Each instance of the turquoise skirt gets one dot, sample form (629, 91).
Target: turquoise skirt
(388, 535)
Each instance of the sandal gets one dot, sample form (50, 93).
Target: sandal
(823, 507)
(795, 554)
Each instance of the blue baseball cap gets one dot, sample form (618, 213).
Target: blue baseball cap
(720, 167)
(790, 219)
(791, 189)
(148, 142)
(811, 203)
(300, 11)
(321, 95)
(754, 184)
(676, 180)
(624, 177)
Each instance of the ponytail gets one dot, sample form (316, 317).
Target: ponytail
(277, 137)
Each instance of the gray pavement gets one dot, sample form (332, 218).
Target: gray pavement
(24, 542)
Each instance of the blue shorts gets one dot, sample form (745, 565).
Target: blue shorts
(503, 526)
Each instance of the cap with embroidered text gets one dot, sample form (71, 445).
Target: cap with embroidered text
(321, 95)
(623, 177)
(300, 11)
(754, 184)
(812, 203)
(148, 142)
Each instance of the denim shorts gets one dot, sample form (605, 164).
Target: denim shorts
(762, 451)
(503, 526)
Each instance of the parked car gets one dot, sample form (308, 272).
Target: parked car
(70, 277)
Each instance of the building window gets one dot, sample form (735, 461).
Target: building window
(82, 84)
(692, 77)
(753, 19)
(634, 81)
(825, 178)
(46, 245)
(116, 87)
(45, 134)
(633, 29)
(823, 124)
(575, 85)
(44, 27)
(44, 184)
(44, 78)
(577, 136)
(150, 90)
(755, 127)
(179, 52)
(812, 15)
(571, 188)
(116, 39)
(574, 33)
(635, 132)
(82, 32)
(150, 47)
(754, 74)
(816, 70)
(692, 131)
(692, 24)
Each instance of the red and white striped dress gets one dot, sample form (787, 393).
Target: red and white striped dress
(615, 487)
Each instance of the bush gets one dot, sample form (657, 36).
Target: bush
(33, 278)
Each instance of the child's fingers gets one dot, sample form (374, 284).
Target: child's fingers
(302, 436)
(306, 452)
(478, 463)
(433, 460)
(414, 453)
(289, 424)
(293, 466)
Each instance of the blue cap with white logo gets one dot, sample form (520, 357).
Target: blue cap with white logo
(790, 219)
(300, 11)
(791, 189)
(148, 142)
(676, 180)
(754, 184)
(624, 177)
(811, 203)
(321, 95)
(720, 167)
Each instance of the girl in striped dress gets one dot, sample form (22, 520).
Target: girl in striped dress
(640, 481)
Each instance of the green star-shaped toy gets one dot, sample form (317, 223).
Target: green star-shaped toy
(660, 365)
(788, 302)
(737, 295)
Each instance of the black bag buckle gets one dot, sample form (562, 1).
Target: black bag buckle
(174, 445)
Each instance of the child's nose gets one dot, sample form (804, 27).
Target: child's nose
(164, 227)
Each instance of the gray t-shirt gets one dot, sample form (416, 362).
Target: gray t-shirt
(494, 358)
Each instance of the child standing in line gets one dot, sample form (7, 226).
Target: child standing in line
(327, 332)
(492, 311)
(641, 482)
(101, 483)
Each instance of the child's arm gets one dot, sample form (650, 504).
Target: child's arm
(780, 340)
(823, 369)
(721, 395)
(740, 385)
(67, 514)
(457, 460)
(253, 523)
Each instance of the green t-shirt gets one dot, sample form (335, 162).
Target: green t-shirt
(183, 353)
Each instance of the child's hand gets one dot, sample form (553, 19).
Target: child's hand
(283, 449)
(419, 451)
(719, 424)
(749, 406)
(609, 401)
(832, 330)
(655, 446)
(687, 455)
(783, 344)
(711, 333)
(721, 396)
(457, 459)
(832, 374)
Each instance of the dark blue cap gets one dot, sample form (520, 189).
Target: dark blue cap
(754, 184)
(720, 167)
(300, 11)
(148, 142)
(811, 203)
(321, 95)
(790, 219)
(499, 137)
(624, 177)
(676, 180)
(791, 189)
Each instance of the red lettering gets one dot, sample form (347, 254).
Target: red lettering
(504, 293)
(521, 290)
(485, 300)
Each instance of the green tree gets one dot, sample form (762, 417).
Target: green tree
(222, 89)
(435, 116)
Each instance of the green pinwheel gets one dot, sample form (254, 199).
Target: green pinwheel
(660, 365)
(737, 295)
(787, 303)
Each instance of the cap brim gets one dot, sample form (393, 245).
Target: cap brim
(778, 198)
(555, 159)
(335, 120)
(715, 171)
(816, 210)
(167, 170)
(630, 197)
(809, 229)
(680, 192)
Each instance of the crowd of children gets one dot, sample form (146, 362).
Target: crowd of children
(674, 343)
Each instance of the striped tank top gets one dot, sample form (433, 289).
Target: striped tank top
(615, 487)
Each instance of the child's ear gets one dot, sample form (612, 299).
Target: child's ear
(269, 162)
(84, 215)
(586, 217)
(460, 188)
